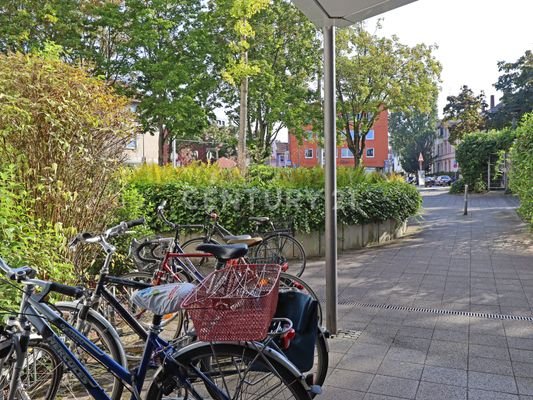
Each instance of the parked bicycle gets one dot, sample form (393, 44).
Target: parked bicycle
(200, 370)
(177, 266)
(112, 296)
(276, 244)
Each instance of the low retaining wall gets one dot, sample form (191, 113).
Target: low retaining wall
(351, 237)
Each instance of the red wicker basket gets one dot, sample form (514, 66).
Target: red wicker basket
(235, 303)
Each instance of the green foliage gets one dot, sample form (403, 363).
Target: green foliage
(465, 113)
(263, 176)
(365, 202)
(65, 132)
(458, 186)
(411, 135)
(521, 177)
(376, 73)
(197, 174)
(516, 83)
(26, 240)
(474, 151)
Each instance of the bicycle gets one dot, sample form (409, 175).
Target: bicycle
(196, 370)
(40, 370)
(276, 243)
(176, 266)
(136, 319)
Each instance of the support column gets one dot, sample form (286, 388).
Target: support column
(330, 147)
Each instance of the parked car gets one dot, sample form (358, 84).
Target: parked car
(429, 181)
(443, 180)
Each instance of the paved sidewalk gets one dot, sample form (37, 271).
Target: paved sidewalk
(446, 313)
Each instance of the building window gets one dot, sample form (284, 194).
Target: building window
(370, 135)
(309, 135)
(370, 152)
(132, 144)
(308, 153)
(346, 153)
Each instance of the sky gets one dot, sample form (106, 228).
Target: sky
(471, 35)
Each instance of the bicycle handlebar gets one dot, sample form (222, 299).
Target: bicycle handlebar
(86, 237)
(27, 274)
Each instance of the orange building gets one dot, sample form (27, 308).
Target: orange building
(376, 153)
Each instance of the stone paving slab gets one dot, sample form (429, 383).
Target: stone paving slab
(480, 263)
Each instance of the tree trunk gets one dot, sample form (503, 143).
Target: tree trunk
(161, 148)
(243, 120)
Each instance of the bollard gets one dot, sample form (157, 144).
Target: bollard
(466, 201)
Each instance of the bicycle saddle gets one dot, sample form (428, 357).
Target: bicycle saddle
(162, 299)
(249, 242)
(261, 220)
(224, 252)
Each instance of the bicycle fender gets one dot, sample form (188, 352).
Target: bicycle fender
(100, 318)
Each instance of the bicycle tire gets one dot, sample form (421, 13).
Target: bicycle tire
(280, 248)
(101, 334)
(40, 376)
(204, 265)
(171, 324)
(267, 371)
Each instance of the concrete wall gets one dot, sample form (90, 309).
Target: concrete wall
(351, 237)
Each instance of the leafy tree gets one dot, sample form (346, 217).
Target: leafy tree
(516, 83)
(28, 25)
(412, 134)
(238, 69)
(465, 112)
(287, 50)
(375, 74)
(170, 68)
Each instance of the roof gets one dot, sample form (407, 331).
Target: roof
(345, 12)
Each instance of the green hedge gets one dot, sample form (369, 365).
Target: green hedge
(521, 177)
(366, 202)
(475, 149)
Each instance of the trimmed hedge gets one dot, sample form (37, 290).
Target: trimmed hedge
(521, 177)
(365, 202)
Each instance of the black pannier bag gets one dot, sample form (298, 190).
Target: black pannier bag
(302, 310)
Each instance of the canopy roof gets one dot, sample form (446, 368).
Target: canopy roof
(345, 12)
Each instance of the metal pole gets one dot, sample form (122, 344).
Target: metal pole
(466, 201)
(488, 175)
(330, 144)
(174, 153)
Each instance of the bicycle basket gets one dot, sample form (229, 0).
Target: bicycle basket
(272, 259)
(235, 303)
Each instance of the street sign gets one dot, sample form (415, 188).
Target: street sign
(420, 158)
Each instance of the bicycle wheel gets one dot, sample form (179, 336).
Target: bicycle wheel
(282, 248)
(171, 324)
(320, 367)
(100, 332)
(240, 371)
(292, 282)
(40, 375)
(204, 265)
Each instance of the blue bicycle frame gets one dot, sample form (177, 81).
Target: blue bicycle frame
(34, 307)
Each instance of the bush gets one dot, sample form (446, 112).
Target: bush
(474, 151)
(265, 176)
(65, 133)
(25, 240)
(521, 176)
(458, 186)
(366, 202)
